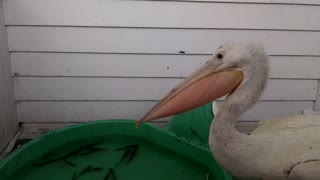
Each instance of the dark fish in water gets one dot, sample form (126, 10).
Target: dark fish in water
(46, 156)
(69, 162)
(74, 176)
(129, 154)
(128, 147)
(97, 169)
(88, 149)
(111, 175)
(132, 154)
(197, 135)
(85, 170)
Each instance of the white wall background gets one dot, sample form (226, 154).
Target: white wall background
(8, 111)
(83, 60)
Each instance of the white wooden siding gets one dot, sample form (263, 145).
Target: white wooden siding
(302, 2)
(8, 112)
(317, 103)
(56, 88)
(116, 58)
(80, 111)
(135, 40)
(162, 14)
(144, 65)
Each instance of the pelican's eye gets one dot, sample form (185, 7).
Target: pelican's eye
(219, 56)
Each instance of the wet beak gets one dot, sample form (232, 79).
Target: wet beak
(203, 86)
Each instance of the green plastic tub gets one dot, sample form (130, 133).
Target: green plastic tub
(117, 150)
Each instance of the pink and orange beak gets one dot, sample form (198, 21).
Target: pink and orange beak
(203, 86)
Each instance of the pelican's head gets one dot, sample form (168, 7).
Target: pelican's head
(237, 56)
(229, 68)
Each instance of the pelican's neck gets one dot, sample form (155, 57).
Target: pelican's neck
(248, 92)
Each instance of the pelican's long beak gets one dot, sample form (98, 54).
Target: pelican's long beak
(203, 86)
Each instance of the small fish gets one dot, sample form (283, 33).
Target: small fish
(124, 156)
(128, 147)
(44, 160)
(82, 148)
(46, 156)
(85, 170)
(69, 162)
(97, 169)
(133, 153)
(197, 135)
(182, 52)
(111, 175)
(74, 176)
(129, 154)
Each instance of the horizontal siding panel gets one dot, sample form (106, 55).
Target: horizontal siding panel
(71, 39)
(118, 65)
(272, 109)
(57, 88)
(295, 67)
(113, 65)
(163, 13)
(81, 111)
(91, 110)
(306, 2)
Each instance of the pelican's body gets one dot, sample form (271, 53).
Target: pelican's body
(284, 148)
(279, 149)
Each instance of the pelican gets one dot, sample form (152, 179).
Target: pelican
(278, 149)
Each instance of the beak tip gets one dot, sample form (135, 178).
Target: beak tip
(140, 121)
(137, 123)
